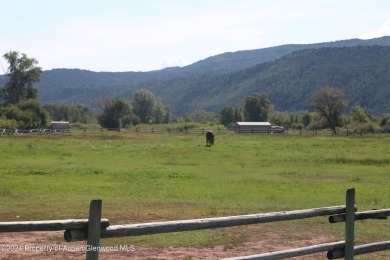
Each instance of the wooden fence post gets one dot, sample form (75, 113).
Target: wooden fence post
(350, 224)
(93, 238)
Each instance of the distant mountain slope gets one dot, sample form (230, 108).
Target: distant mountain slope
(232, 61)
(363, 73)
(288, 74)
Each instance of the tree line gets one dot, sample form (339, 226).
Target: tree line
(145, 108)
(21, 109)
(328, 106)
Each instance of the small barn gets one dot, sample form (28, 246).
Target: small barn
(252, 127)
(59, 125)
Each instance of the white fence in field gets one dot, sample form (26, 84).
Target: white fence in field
(32, 131)
(95, 228)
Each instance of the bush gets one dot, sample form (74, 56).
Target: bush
(366, 128)
(28, 114)
(8, 123)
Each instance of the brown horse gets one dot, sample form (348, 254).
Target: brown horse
(209, 138)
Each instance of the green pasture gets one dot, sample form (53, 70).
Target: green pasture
(159, 176)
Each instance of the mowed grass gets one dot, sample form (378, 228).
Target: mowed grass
(145, 177)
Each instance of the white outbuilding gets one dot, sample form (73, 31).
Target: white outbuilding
(60, 125)
(252, 127)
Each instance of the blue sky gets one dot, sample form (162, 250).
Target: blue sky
(144, 35)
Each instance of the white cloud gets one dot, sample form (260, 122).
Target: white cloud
(173, 61)
(384, 30)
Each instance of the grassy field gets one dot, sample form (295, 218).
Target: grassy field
(143, 177)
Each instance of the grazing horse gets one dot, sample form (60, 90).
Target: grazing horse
(209, 138)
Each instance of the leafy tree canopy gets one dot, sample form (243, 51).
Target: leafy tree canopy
(115, 113)
(21, 74)
(330, 104)
(27, 114)
(149, 108)
(256, 107)
(228, 115)
(72, 113)
(21, 106)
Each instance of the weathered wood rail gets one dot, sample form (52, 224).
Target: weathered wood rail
(198, 224)
(95, 228)
(48, 225)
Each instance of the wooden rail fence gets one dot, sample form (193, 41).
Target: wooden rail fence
(183, 130)
(95, 228)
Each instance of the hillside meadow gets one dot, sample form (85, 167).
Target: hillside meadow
(145, 177)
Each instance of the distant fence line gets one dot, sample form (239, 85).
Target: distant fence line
(95, 228)
(122, 130)
(31, 131)
(184, 130)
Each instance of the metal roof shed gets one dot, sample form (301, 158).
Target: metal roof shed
(253, 127)
(55, 125)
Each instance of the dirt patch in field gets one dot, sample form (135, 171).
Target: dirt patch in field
(49, 245)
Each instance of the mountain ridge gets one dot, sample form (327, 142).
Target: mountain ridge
(282, 72)
(362, 72)
(250, 58)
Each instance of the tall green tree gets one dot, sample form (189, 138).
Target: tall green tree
(362, 121)
(161, 113)
(385, 124)
(306, 119)
(359, 115)
(226, 115)
(149, 108)
(256, 107)
(330, 104)
(238, 115)
(19, 96)
(22, 73)
(143, 105)
(115, 113)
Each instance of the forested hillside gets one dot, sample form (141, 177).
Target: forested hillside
(288, 74)
(362, 72)
(233, 61)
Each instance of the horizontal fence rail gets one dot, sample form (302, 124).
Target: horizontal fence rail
(372, 214)
(48, 225)
(335, 250)
(206, 223)
(95, 227)
(360, 250)
(294, 252)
